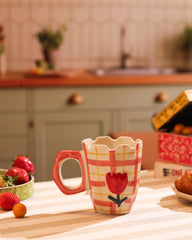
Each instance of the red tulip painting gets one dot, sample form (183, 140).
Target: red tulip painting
(117, 183)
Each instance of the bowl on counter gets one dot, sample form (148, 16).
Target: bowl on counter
(23, 191)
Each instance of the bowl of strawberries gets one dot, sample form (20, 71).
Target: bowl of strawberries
(19, 178)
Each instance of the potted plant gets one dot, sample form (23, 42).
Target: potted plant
(50, 41)
(186, 46)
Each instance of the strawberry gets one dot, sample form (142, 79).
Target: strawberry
(24, 162)
(8, 200)
(5, 181)
(20, 175)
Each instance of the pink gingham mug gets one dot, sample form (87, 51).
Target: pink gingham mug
(110, 170)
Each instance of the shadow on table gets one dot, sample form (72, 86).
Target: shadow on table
(155, 183)
(48, 224)
(176, 204)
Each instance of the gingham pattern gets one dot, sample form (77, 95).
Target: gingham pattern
(102, 160)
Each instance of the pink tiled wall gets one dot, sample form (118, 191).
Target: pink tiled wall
(93, 31)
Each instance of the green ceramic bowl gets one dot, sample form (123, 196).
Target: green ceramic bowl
(23, 191)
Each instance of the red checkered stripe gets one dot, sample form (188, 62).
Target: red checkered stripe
(101, 161)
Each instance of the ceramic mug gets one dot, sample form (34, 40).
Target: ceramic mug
(110, 170)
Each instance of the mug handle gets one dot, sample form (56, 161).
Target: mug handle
(57, 176)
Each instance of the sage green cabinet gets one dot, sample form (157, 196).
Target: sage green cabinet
(42, 121)
(136, 120)
(65, 131)
(13, 125)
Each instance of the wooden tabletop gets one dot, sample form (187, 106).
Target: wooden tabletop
(156, 214)
(82, 78)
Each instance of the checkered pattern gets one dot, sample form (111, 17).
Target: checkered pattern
(102, 160)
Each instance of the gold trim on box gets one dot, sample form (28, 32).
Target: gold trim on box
(167, 113)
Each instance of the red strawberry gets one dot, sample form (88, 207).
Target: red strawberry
(24, 162)
(8, 200)
(20, 175)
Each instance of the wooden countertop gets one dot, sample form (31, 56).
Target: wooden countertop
(157, 213)
(17, 79)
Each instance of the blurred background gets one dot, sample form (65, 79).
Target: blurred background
(55, 110)
(152, 31)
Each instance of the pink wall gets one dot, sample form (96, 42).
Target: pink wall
(93, 36)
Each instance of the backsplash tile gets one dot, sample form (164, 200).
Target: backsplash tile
(92, 38)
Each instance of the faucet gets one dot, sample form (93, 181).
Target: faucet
(124, 55)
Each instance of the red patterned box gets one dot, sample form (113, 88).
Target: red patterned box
(174, 148)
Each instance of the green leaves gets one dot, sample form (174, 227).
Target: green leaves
(9, 180)
(2, 48)
(187, 38)
(117, 200)
(49, 38)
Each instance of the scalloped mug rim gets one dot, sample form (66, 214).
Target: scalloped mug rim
(120, 141)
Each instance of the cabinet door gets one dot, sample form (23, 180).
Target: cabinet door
(10, 147)
(65, 131)
(136, 120)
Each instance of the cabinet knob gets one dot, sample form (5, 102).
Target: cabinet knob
(31, 124)
(76, 98)
(162, 97)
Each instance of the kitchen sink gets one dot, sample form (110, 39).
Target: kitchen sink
(132, 71)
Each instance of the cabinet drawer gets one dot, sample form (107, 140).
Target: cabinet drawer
(12, 99)
(105, 97)
(136, 121)
(11, 147)
(13, 124)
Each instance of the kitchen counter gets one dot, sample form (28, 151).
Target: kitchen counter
(18, 79)
(156, 214)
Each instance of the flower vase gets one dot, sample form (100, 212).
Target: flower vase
(50, 56)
